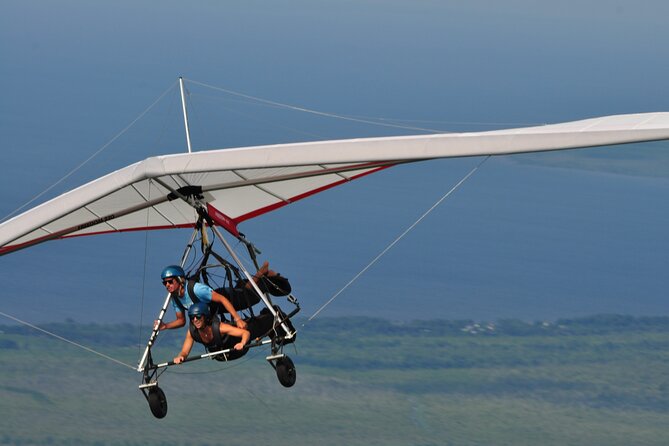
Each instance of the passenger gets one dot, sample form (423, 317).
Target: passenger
(208, 330)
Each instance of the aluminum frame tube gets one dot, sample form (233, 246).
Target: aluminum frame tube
(141, 366)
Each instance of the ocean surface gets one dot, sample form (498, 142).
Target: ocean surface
(522, 238)
(517, 240)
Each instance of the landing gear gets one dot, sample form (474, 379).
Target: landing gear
(282, 364)
(154, 395)
(157, 402)
(285, 371)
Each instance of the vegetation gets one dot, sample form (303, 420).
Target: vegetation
(361, 381)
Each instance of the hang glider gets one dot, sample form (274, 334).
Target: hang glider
(242, 183)
(206, 190)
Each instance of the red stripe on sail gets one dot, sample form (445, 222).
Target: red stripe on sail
(281, 204)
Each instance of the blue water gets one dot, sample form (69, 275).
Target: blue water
(515, 241)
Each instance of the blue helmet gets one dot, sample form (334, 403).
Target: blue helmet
(199, 309)
(172, 271)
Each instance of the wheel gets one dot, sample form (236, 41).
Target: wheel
(157, 402)
(285, 371)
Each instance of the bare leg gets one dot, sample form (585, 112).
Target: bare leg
(264, 268)
(262, 271)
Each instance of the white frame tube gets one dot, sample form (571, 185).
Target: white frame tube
(183, 107)
(268, 304)
(154, 334)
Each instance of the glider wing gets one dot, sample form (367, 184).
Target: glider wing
(239, 184)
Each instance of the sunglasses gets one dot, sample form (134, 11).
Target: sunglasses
(197, 316)
(168, 281)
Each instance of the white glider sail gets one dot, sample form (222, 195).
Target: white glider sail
(239, 184)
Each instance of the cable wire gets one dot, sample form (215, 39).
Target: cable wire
(380, 121)
(88, 349)
(82, 164)
(313, 112)
(394, 242)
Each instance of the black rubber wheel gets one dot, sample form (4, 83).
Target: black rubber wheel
(285, 371)
(157, 402)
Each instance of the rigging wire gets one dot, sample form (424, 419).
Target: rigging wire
(313, 112)
(380, 121)
(252, 117)
(88, 349)
(96, 153)
(394, 242)
(168, 120)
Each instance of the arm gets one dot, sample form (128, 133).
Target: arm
(236, 332)
(216, 297)
(179, 322)
(185, 349)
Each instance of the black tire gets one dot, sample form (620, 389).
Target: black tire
(285, 371)
(157, 402)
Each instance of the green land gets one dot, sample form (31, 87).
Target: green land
(601, 380)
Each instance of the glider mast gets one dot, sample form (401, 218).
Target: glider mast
(183, 106)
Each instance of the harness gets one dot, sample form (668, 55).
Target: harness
(234, 285)
(218, 343)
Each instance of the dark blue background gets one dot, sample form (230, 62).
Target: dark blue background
(532, 236)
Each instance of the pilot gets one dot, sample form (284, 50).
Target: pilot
(208, 330)
(184, 294)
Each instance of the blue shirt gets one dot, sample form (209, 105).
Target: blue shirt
(202, 292)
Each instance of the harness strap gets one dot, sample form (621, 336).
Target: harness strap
(229, 270)
(190, 286)
(218, 340)
(218, 343)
